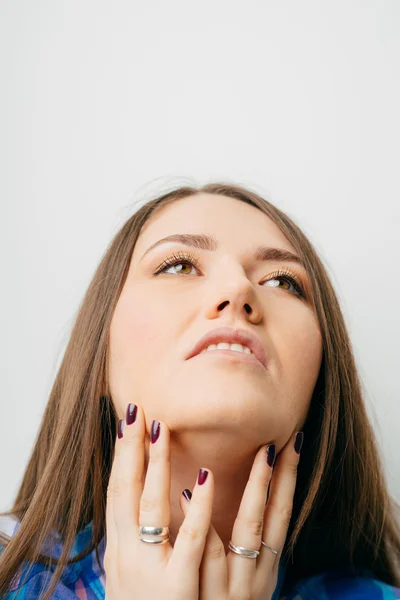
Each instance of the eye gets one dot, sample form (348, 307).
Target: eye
(188, 259)
(178, 259)
(289, 278)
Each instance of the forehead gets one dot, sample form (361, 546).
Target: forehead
(234, 223)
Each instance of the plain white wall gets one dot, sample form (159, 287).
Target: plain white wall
(103, 101)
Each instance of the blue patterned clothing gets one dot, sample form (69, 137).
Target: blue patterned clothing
(84, 580)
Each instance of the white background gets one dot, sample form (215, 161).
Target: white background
(102, 101)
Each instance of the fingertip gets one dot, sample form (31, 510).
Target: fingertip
(121, 426)
(298, 442)
(271, 454)
(187, 494)
(184, 502)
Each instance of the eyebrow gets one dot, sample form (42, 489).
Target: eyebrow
(208, 242)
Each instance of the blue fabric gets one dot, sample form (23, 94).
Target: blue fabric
(84, 580)
(340, 584)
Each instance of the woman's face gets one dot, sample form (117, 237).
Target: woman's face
(159, 318)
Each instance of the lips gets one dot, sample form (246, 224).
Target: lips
(232, 336)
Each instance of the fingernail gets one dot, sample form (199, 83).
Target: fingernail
(298, 441)
(202, 476)
(271, 452)
(131, 413)
(155, 431)
(120, 428)
(188, 494)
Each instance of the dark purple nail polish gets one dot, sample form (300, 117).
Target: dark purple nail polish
(188, 494)
(271, 453)
(155, 431)
(298, 441)
(131, 413)
(202, 476)
(120, 432)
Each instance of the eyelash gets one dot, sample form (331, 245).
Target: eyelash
(183, 257)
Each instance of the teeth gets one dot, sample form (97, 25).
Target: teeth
(227, 346)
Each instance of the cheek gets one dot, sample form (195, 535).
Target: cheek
(134, 346)
(300, 350)
(299, 344)
(304, 353)
(135, 328)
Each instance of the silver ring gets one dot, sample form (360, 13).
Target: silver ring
(246, 552)
(243, 551)
(154, 535)
(269, 548)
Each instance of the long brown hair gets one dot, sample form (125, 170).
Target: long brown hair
(343, 514)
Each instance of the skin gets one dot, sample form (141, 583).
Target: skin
(219, 410)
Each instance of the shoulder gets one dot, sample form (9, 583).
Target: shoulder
(82, 579)
(341, 584)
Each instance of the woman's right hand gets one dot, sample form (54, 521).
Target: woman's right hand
(136, 570)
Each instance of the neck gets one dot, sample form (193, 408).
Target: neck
(230, 462)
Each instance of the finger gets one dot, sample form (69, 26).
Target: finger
(278, 510)
(125, 483)
(191, 539)
(155, 509)
(248, 525)
(111, 526)
(213, 568)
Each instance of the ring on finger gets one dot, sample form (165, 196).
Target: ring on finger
(247, 552)
(154, 535)
(269, 547)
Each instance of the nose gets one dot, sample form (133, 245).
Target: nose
(234, 294)
(240, 300)
(246, 306)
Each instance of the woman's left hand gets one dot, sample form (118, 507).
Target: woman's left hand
(235, 577)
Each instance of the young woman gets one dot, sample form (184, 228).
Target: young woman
(209, 356)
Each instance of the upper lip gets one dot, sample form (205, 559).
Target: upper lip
(232, 336)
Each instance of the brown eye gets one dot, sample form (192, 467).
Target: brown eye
(178, 259)
(290, 281)
(188, 260)
(182, 269)
(284, 279)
